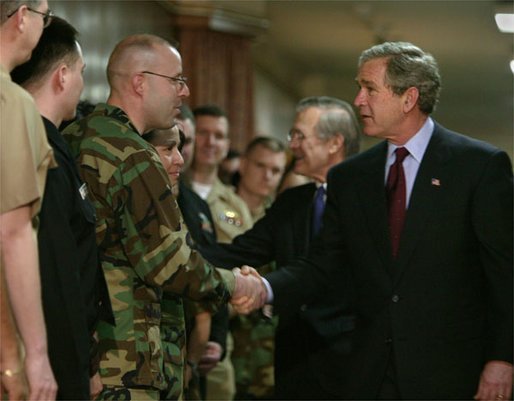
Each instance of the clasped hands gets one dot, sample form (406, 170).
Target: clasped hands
(250, 292)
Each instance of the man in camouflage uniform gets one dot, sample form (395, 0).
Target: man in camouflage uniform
(142, 239)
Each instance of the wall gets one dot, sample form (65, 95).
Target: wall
(101, 25)
(274, 108)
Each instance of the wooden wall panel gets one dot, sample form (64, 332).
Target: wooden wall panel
(220, 71)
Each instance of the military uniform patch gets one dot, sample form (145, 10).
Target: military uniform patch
(231, 217)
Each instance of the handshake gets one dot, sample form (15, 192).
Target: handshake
(250, 292)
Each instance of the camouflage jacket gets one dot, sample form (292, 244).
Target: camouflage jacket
(143, 245)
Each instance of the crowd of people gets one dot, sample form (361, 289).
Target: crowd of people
(136, 265)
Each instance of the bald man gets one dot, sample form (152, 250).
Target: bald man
(141, 235)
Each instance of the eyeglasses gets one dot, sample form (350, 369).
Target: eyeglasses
(295, 135)
(181, 81)
(47, 17)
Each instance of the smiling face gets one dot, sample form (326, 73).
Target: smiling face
(380, 109)
(211, 142)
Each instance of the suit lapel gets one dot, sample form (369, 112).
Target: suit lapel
(302, 217)
(371, 190)
(423, 198)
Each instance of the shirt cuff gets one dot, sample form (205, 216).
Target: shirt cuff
(269, 291)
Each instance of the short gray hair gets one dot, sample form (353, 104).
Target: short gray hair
(338, 118)
(408, 66)
(9, 6)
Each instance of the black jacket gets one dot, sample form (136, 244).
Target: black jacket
(73, 285)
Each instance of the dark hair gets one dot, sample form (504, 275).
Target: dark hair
(182, 137)
(209, 110)
(233, 154)
(161, 137)
(58, 43)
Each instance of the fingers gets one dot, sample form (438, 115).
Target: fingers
(247, 270)
(41, 380)
(495, 382)
(250, 292)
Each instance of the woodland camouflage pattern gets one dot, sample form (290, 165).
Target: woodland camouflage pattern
(173, 336)
(254, 352)
(143, 247)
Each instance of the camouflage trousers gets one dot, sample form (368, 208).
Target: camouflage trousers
(115, 393)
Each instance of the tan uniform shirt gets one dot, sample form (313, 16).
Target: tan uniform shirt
(25, 154)
(230, 213)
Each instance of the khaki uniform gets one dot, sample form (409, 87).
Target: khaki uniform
(230, 213)
(25, 155)
(231, 218)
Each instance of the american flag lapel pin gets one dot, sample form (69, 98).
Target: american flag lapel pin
(436, 182)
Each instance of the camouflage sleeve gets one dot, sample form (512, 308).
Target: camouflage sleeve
(154, 235)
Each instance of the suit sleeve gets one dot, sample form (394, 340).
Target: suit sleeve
(493, 223)
(306, 279)
(255, 247)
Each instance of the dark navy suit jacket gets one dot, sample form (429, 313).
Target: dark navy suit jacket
(444, 307)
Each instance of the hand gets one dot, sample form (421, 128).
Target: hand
(15, 386)
(210, 357)
(41, 379)
(250, 292)
(495, 381)
(95, 386)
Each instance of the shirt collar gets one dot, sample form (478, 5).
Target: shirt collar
(418, 144)
(116, 113)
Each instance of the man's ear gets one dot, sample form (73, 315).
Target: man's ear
(336, 144)
(138, 84)
(20, 17)
(410, 99)
(61, 77)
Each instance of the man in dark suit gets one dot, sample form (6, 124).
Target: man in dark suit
(324, 133)
(430, 288)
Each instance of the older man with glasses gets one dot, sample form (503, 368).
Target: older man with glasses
(325, 132)
(24, 150)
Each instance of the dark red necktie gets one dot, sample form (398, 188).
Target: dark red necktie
(396, 199)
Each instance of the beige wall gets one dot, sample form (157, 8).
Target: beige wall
(102, 24)
(274, 108)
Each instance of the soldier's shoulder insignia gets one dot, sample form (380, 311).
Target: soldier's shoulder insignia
(231, 217)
